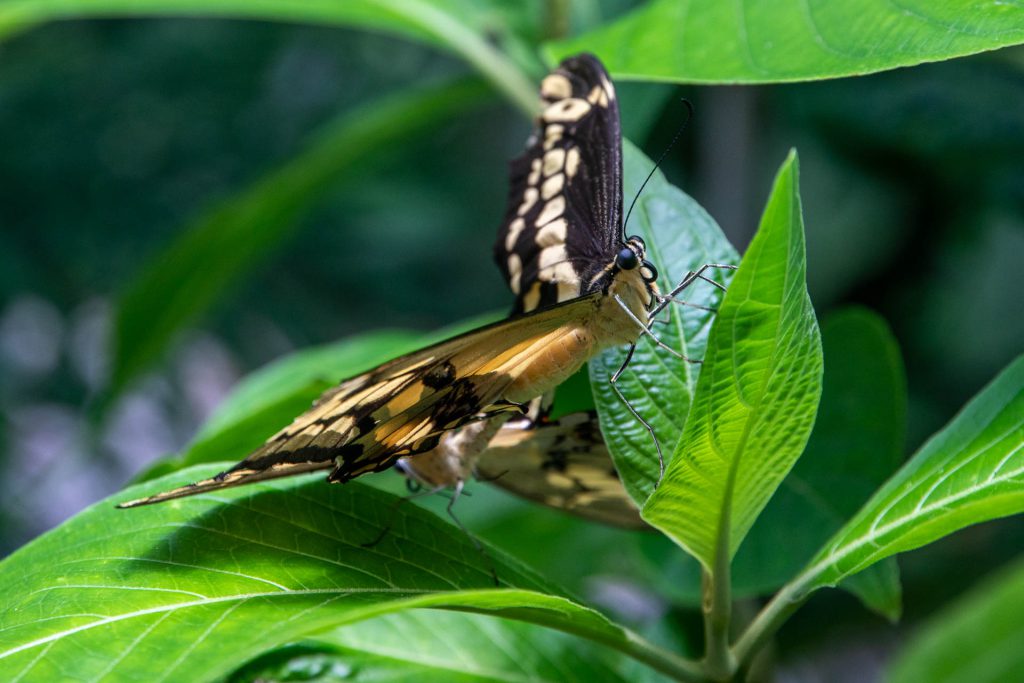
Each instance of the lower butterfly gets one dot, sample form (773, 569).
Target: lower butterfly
(582, 286)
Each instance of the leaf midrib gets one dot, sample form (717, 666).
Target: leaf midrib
(160, 609)
(876, 532)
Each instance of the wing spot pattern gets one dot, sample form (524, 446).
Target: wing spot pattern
(552, 234)
(552, 210)
(515, 271)
(552, 186)
(554, 160)
(529, 199)
(514, 228)
(572, 161)
(555, 87)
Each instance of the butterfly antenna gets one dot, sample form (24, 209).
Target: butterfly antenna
(657, 164)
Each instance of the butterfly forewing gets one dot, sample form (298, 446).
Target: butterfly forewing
(403, 407)
(562, 224)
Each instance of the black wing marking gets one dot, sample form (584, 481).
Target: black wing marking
(563, 464)
(402, 407)
(563, 222)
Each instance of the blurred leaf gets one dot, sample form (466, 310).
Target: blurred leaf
(230, 239)
(460, 26)
(970, 472)
(196, 587)
(680, 237)
(757, 394)
(975, 640)
(705, 41)
(856, 444)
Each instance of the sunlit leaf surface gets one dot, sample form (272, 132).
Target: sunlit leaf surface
(856, 444)
(681, 237)
(970, 472)
(757, 394)
(192, 589)
(752, 41)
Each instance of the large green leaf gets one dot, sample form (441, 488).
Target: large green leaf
(194, 588)
(681, 237)
(756, 396)
(975, 640)
(460, 26)
(434, 645)
(754, 41)
(969, 472)
(231, 238)
(856, 444)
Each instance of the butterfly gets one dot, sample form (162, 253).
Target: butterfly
(581, 286)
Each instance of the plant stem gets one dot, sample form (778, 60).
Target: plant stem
(719, 662)
(789, 598)
(666, 662)
(556, 19)
(474, 48)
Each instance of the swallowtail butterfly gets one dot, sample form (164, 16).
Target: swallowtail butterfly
(581, 286)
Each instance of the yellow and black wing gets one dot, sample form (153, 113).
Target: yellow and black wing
(563, 464)
(403, 407)
(563, 222)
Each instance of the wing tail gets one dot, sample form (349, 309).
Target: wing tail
(236, 476)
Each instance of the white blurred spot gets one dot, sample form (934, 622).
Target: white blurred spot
(31, 331)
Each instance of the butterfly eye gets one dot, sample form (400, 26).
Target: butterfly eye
(649, 272)
(627, 260)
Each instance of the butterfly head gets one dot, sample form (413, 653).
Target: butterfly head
(631, 276)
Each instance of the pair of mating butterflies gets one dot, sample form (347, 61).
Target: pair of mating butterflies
(471, 405)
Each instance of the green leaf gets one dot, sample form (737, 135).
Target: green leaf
(194, 588)
(970, 472)
(232, 237)
(856, 444)
(706, 41)
(680, 237)
(463, 27)
(975, 640)
(756, 396)
(433, 645)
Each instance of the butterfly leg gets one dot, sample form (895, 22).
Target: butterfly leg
(689, 279)
(456, 492)
(394, 512)
(650, 430)
(646, 329)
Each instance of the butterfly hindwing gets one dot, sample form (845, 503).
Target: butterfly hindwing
(563, 464)
(563, 221)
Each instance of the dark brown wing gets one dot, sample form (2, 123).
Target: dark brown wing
(563, 464)
(563, 222)
(403, 407)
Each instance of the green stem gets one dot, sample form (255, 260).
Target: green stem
(468, 44)
(719, 663)
(666, 662)
(556, 19)
(789, 598)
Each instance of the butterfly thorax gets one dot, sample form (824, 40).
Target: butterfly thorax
(453, 460)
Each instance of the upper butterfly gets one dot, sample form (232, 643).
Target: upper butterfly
(581, 287)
